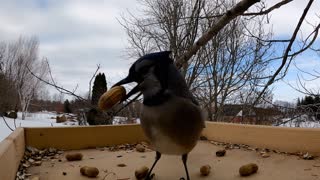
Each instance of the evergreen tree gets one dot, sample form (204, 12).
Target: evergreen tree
(99, 87)
(316, 100)
(66, 106)
(313, 103)
(298, 102)
(309, 100)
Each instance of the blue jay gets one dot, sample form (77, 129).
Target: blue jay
(171, 117)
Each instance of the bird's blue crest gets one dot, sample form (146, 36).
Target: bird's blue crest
(163, 55)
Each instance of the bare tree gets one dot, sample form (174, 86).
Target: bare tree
(7, 93)
(222, 50)
(228, 61)
(20, 57)
(166, 25)
(2, 52)
(233, 63)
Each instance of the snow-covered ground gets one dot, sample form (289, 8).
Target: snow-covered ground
(48, 119)
(306, 124)
(303, 121)
(40, 119)
(123, 120)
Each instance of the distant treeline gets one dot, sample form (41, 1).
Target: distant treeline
(67, 106)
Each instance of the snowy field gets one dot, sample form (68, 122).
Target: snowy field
(303, 121)
(305, 124)
(40, 119)
(48, 119)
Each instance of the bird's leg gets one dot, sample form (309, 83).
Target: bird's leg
(184, 160)
(149, 175)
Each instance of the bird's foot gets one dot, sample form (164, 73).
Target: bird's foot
(182, 178)
(149, 177)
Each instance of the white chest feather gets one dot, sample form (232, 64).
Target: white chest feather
(165, 145)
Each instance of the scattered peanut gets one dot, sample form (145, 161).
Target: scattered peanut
(121, 165)
(74, 156)
(89, 171)
(205, 170)
(248, 169)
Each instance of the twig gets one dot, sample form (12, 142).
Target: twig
(315, 33)
(276, 6)
(237, 10)
(267, 11)
(63, 90)
(304, 88)
(66, 91)
(124, 106)
(291, 119)
(60, 89)
(53, 81)
(94, 75)
(315, 76)
(286, 54)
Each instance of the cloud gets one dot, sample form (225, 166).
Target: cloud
(76, 35)
(283, 92)
(284, 20)
(308, 63)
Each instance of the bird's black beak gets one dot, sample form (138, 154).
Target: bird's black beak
(128, 80)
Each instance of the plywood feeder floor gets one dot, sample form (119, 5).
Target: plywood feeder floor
(275, 167)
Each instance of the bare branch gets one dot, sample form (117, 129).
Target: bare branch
(54, 84)
(239, 9)
(267, 11)
(301, 87)
(291, 119)
(7, 123)
(288, 49)
(263, 40)
(94, 75)
(261, 12)
(315, 75)
(61, 89)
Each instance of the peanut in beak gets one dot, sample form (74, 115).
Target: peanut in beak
(111, 97)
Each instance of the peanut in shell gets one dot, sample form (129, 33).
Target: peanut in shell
(111, 97)
(248, 169)
(89, 171)
(74, 156)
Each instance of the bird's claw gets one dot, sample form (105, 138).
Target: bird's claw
(149, 177)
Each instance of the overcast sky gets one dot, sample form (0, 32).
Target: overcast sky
(76, 35)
